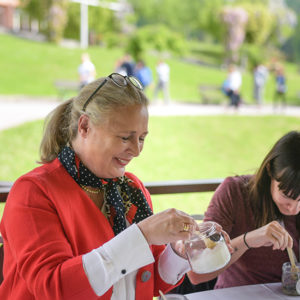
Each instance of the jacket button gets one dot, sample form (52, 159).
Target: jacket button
(123, 271)
(146, 276)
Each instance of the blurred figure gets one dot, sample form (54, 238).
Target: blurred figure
(163, 77)
(86, 70)
(143, 73)
(233, 85)
(260, 75)
(280, 87)
(125, 66)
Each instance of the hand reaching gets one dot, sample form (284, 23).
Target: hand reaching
(167, 226)
(272, 234)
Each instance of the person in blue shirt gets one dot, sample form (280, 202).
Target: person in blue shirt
(143, 74)
(279, 97)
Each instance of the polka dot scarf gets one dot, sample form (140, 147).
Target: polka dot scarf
(124, 200)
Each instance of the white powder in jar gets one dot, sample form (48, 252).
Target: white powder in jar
(210, 259)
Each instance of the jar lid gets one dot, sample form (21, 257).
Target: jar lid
(207, 229)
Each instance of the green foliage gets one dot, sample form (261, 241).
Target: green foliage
(57, 19)
(136, 47)
(260, 23)
(72, 29)
(115, 40)
(255, 54)
(53, 13)
(191, 18)
(208, 18)
(157, 37)
(99, 31)
(36, 9)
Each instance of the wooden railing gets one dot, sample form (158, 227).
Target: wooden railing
(182, 186)
(155, 188)
(4, 190)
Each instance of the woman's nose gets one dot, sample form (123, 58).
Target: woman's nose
(294, 208)
(135, 148)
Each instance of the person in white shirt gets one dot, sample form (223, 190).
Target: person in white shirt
(163, 77)
(86, 70)
(234, 82)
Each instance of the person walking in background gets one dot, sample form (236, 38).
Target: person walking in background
(125, 66)
(234, 82)
(143, 73)
(86, 70)
(163, 77)
(260, 212)
(279, 97)
(260, 75)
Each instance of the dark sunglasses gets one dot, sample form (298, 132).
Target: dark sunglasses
(119, 80)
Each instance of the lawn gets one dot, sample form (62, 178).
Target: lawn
(177, 148)
(32, 67)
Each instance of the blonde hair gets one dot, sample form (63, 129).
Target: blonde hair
(62, 123)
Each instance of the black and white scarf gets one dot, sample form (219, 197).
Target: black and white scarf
(123, 198)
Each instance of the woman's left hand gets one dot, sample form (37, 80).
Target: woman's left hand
(226, 237)
(179, 246)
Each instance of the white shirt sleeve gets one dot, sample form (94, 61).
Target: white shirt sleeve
(115, 259)
(171, 266)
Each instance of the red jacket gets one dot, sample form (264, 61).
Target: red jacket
(48, 224)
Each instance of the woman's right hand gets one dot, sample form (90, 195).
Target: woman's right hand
(272, 234)
(167, 226)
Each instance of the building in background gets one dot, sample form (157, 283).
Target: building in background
(9, 14)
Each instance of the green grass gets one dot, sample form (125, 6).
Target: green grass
(177, 148)
(32, 67)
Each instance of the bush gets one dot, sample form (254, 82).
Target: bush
(156, 37)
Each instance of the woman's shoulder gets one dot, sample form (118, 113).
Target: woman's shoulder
(238, 181)
(41, 174)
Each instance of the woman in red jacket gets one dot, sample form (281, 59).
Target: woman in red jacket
(80, 227)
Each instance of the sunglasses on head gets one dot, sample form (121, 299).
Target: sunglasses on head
(117, 79)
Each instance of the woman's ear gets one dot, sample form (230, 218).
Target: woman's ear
(83, 125)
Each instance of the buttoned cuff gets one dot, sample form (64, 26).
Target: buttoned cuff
(126, 252)
(171, 266)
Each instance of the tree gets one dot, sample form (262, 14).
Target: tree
(157, 37)
(178, 15)
(99, 31)
(57, 20)
(235, 20)
(51, 12)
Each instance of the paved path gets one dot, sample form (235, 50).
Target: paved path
(15, 110)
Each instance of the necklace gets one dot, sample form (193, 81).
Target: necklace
(92, 191)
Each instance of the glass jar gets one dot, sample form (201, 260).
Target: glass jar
(290, 279)
(207, 250)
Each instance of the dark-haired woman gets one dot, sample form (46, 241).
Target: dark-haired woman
(261, 215)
